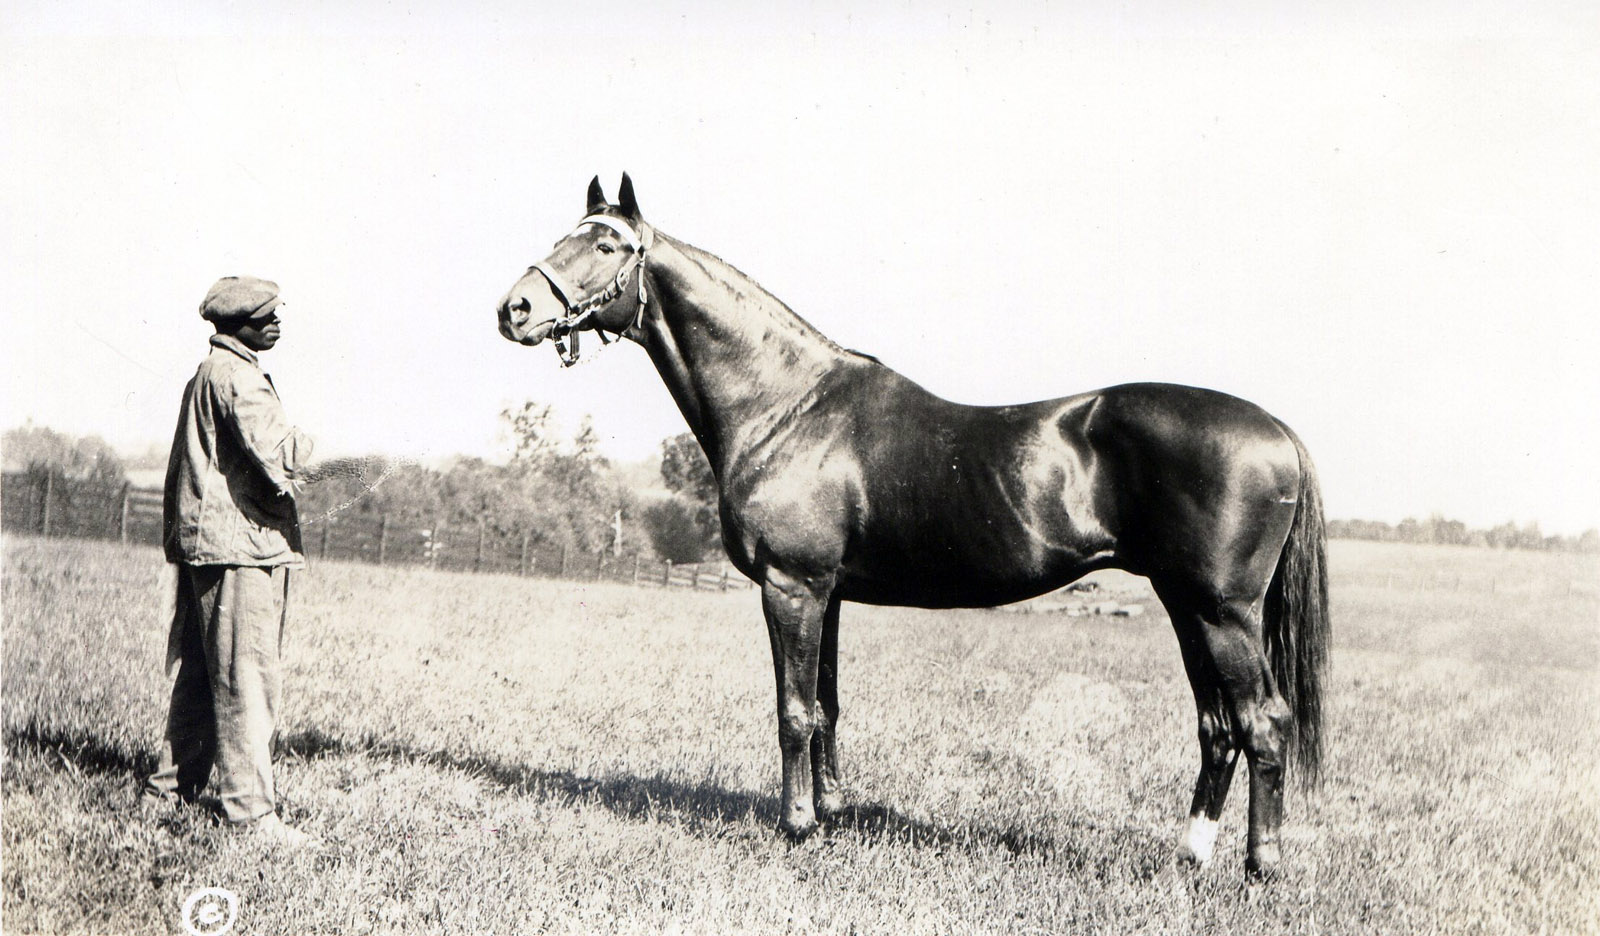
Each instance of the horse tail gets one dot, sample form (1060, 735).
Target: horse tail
(1297, 627)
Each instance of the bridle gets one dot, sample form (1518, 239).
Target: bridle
(578, 311)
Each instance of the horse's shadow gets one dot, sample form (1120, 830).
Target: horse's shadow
(701, 809)
(707, 809)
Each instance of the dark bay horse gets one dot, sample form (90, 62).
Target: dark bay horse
(841, 480)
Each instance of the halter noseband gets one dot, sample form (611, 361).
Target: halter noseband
(579, 311)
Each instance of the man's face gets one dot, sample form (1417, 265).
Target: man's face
(261, 334)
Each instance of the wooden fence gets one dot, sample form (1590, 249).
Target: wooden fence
(49, 505)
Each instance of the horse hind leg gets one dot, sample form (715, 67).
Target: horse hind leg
(1219, 752)
(827, 791)
(1248, 715)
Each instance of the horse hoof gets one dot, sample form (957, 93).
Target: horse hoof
(1185, 857)
(829, 806)
(797, 832)
(1262, 863)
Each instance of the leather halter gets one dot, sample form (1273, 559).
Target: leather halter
(578, 311)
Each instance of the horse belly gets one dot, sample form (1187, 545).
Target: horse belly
(1004, 510)
(983, 562)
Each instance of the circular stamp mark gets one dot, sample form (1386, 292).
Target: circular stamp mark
(210, 911)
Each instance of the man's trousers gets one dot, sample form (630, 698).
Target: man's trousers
(226, 638)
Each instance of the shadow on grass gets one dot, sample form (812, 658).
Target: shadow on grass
(707, 809)
(704, 809)
(700, 805)
(79, 752)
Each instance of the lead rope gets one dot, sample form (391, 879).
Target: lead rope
(355, 468)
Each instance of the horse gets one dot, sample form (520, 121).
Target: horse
(841, 480)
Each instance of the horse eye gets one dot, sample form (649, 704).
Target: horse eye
(605, 247)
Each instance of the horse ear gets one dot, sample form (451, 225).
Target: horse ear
(625, 199)
(597, 197)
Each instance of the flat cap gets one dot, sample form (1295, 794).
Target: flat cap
(239, 297)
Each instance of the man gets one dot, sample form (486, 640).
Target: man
(231, 526)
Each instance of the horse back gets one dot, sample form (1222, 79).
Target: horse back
(978, 505)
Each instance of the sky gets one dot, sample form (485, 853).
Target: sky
(1378, 223)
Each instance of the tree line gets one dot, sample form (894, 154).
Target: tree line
(558, 489)
(1445, 532)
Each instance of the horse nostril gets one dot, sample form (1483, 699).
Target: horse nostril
(517, 312)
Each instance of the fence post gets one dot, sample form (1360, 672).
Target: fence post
(477, 561)
(435, 543)
(563, 561)
(666, 575)
(122, 518)
(522, 562)
(724, 586)
(599, 562)
(383, 538)
(44, 521)
(635, 568)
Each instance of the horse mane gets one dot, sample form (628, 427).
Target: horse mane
(744, 289)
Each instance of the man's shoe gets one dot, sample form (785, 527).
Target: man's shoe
(272, 829)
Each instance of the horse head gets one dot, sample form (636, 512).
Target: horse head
(593, 280)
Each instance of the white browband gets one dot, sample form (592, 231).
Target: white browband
(617, 225)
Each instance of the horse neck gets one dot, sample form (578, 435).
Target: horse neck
(730, 352)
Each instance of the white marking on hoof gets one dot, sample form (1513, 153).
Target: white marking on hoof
(1201, 841)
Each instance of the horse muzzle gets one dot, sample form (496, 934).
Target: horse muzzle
(523, 331)
(528, 313)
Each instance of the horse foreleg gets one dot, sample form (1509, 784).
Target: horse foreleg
(827, 791)
(795, 606)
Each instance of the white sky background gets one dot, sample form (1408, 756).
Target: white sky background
(1382, 226)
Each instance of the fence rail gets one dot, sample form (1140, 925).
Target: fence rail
(52, 506)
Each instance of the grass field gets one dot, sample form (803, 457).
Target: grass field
(495, 754)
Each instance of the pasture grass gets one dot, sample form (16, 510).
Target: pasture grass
(507, 755)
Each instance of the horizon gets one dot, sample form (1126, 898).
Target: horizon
(1377, 224)
(133, 459)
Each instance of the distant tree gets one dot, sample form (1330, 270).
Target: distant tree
(686, 472)
(1448, 532)
(674, 530)
(39, 449)
(1503, 536)
(578, 467)
(534, 433)
(565, 484)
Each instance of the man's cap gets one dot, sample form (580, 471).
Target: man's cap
(239, 297)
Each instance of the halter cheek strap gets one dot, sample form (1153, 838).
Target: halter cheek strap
(564, 290)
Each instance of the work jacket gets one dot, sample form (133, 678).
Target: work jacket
(233, 472)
